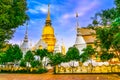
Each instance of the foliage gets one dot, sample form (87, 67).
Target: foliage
(87, 53)
(3, 58)
(35, 63)
(23, 63)
(13, 53)
(57, 58)
(104, 36)
(12, 15)
(72, 54)
(106, 56)
(42, 53)
(116, 42)
(29, 56)
(17, 53)
(108, 36)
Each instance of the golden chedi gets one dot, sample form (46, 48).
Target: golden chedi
(48, 33)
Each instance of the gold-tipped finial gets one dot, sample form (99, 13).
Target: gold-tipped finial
(48, 15)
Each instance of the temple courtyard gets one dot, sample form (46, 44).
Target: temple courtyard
(51, 76)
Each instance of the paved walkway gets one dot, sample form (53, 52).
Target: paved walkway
(50, 76)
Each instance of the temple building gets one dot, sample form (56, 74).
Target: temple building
(80, 42)
(89, 35)
(48, 39)
(25, 45)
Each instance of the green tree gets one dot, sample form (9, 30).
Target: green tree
(29, 57)
(106, 56)
(72, 55)
(36, 63)
(17, 54)
(108, 37)
(42, 53)
(13, 54)
(9, 54)
(56, 59)
(3, 58)
(88, 52)
(23, 63)
(12, 15)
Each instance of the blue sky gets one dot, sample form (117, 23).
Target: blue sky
(63, 18)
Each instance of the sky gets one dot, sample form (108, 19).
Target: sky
(63, 16)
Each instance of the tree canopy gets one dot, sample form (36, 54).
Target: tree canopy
(56, 58)
(107, 28)
(72, 54)
(42, 53)
(13, 53)
(29, 56)
(87, 53)
(12, 15)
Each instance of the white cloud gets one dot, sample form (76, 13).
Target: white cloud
(42, 8)
(66, 16)
(86, 7)
(69, 16)
(33, 11)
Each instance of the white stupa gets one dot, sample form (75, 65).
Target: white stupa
(80, 42)
(25, 45)
(57, 48)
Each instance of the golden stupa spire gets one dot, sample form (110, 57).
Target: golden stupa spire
(48, 15)
(48, 20)
(48, 33)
